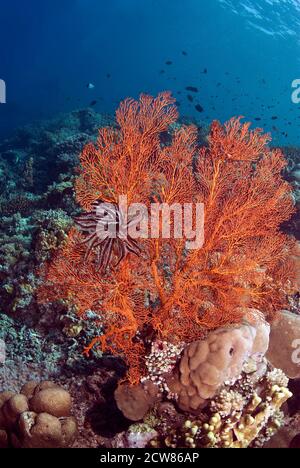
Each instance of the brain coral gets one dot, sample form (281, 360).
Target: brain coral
(207, 364)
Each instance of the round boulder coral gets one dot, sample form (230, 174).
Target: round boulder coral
(39, 417)
(55, 401)
(135, 401)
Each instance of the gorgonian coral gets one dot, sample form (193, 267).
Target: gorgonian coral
(171, 292)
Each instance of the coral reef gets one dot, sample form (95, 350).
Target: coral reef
(153, 308)
(207, 364)
(42, 342)
(292, 174)
(243, 414)
(38, 417)
(287, 437)
(196, 375)
(171, 291)
(222, 393)
(254, 423)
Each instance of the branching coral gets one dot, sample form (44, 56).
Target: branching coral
(246, 414)
(169, 291)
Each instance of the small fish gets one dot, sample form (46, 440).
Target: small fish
(274, 117)
(162, 72)
(184, 53)
(90, 86)
(193, 89)
(190, 98)
(168, 62)
(199, 108)
(205, 71)
(93, 103)
(257, 119)
(108, 75)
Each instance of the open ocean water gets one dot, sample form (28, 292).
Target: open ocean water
(242, 56)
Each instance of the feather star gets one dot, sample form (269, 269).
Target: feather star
(106, 231)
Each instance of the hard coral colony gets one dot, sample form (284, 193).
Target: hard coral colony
(155, 290)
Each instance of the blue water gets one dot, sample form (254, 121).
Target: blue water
(242, 55)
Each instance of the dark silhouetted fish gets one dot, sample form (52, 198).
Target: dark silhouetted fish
(199, 108)
(169, 62)
(193, 89)
(184, 53)
(93, 103)
(190, 98)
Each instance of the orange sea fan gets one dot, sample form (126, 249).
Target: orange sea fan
(124, 160)
(170, 291)
(235, 141)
